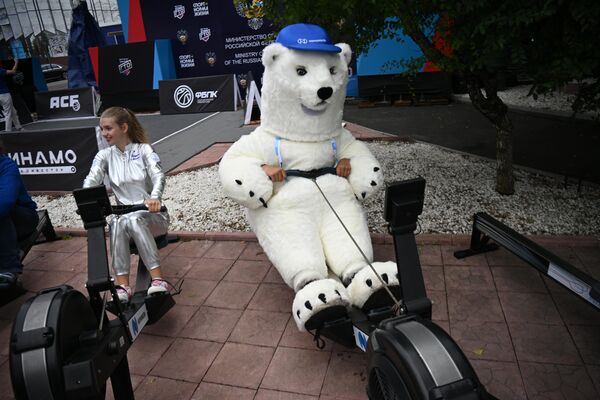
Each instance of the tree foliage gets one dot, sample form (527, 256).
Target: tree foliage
(552, 41)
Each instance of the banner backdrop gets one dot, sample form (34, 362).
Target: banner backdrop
(126, 68)
(65, 103)
(56, 160)
(197, 95)
(210, 37)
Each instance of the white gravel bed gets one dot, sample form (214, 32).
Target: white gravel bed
(517, 96)
(458, 186)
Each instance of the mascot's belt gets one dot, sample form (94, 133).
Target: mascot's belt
(312, 174)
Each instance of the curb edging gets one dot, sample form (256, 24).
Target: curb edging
(376, 238)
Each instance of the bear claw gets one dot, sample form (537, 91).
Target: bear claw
(315, 297)
(365, 282)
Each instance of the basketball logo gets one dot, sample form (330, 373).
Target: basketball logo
(183, 96)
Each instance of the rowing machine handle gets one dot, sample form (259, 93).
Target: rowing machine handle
(126, 209)
(315, 173)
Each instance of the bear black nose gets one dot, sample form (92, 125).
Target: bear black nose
(324, 93)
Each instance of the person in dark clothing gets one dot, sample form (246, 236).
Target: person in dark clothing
(18, 219)
(10, 113)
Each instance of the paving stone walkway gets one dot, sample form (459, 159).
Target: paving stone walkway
(231, 335)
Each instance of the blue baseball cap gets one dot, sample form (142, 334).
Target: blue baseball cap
(306, 37)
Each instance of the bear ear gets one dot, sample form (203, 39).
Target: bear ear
(346, 51)
(271, 52)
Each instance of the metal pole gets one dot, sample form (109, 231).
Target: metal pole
(43, 42)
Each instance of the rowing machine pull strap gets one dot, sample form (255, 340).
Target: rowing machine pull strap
(319, 342)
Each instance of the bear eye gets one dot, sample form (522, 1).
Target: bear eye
(301, 71)
(332, 71)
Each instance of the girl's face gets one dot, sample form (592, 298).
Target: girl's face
(114, 133)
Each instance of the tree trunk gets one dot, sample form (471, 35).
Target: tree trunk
(492, 107)
(505, 182)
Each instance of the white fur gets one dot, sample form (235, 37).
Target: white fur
(331, 290)
(290, 105)
(365, 283)
(297, 229)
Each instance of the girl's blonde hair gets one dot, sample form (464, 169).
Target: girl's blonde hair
(121, 116)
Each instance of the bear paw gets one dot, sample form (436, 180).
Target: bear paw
(315, 297)
(253, 191)
(364, 284)
(366, 177)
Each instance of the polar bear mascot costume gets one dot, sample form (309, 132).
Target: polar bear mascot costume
(304, 88)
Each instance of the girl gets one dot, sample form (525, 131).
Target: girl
(135, 175)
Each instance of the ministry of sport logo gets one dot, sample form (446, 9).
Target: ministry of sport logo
(204, 34)
(125, 66)
(183, 96)
(211, 58)
(251, 10)
(179, 11)
(182, 35)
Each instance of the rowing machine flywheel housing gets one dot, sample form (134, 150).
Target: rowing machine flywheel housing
(47, 331)
(413, 358)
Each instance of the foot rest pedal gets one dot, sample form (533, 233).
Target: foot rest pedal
(333, 323)
(328, 315)
(381, 299)
(158, 304)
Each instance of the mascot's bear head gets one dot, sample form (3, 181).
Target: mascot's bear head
(304, 84)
